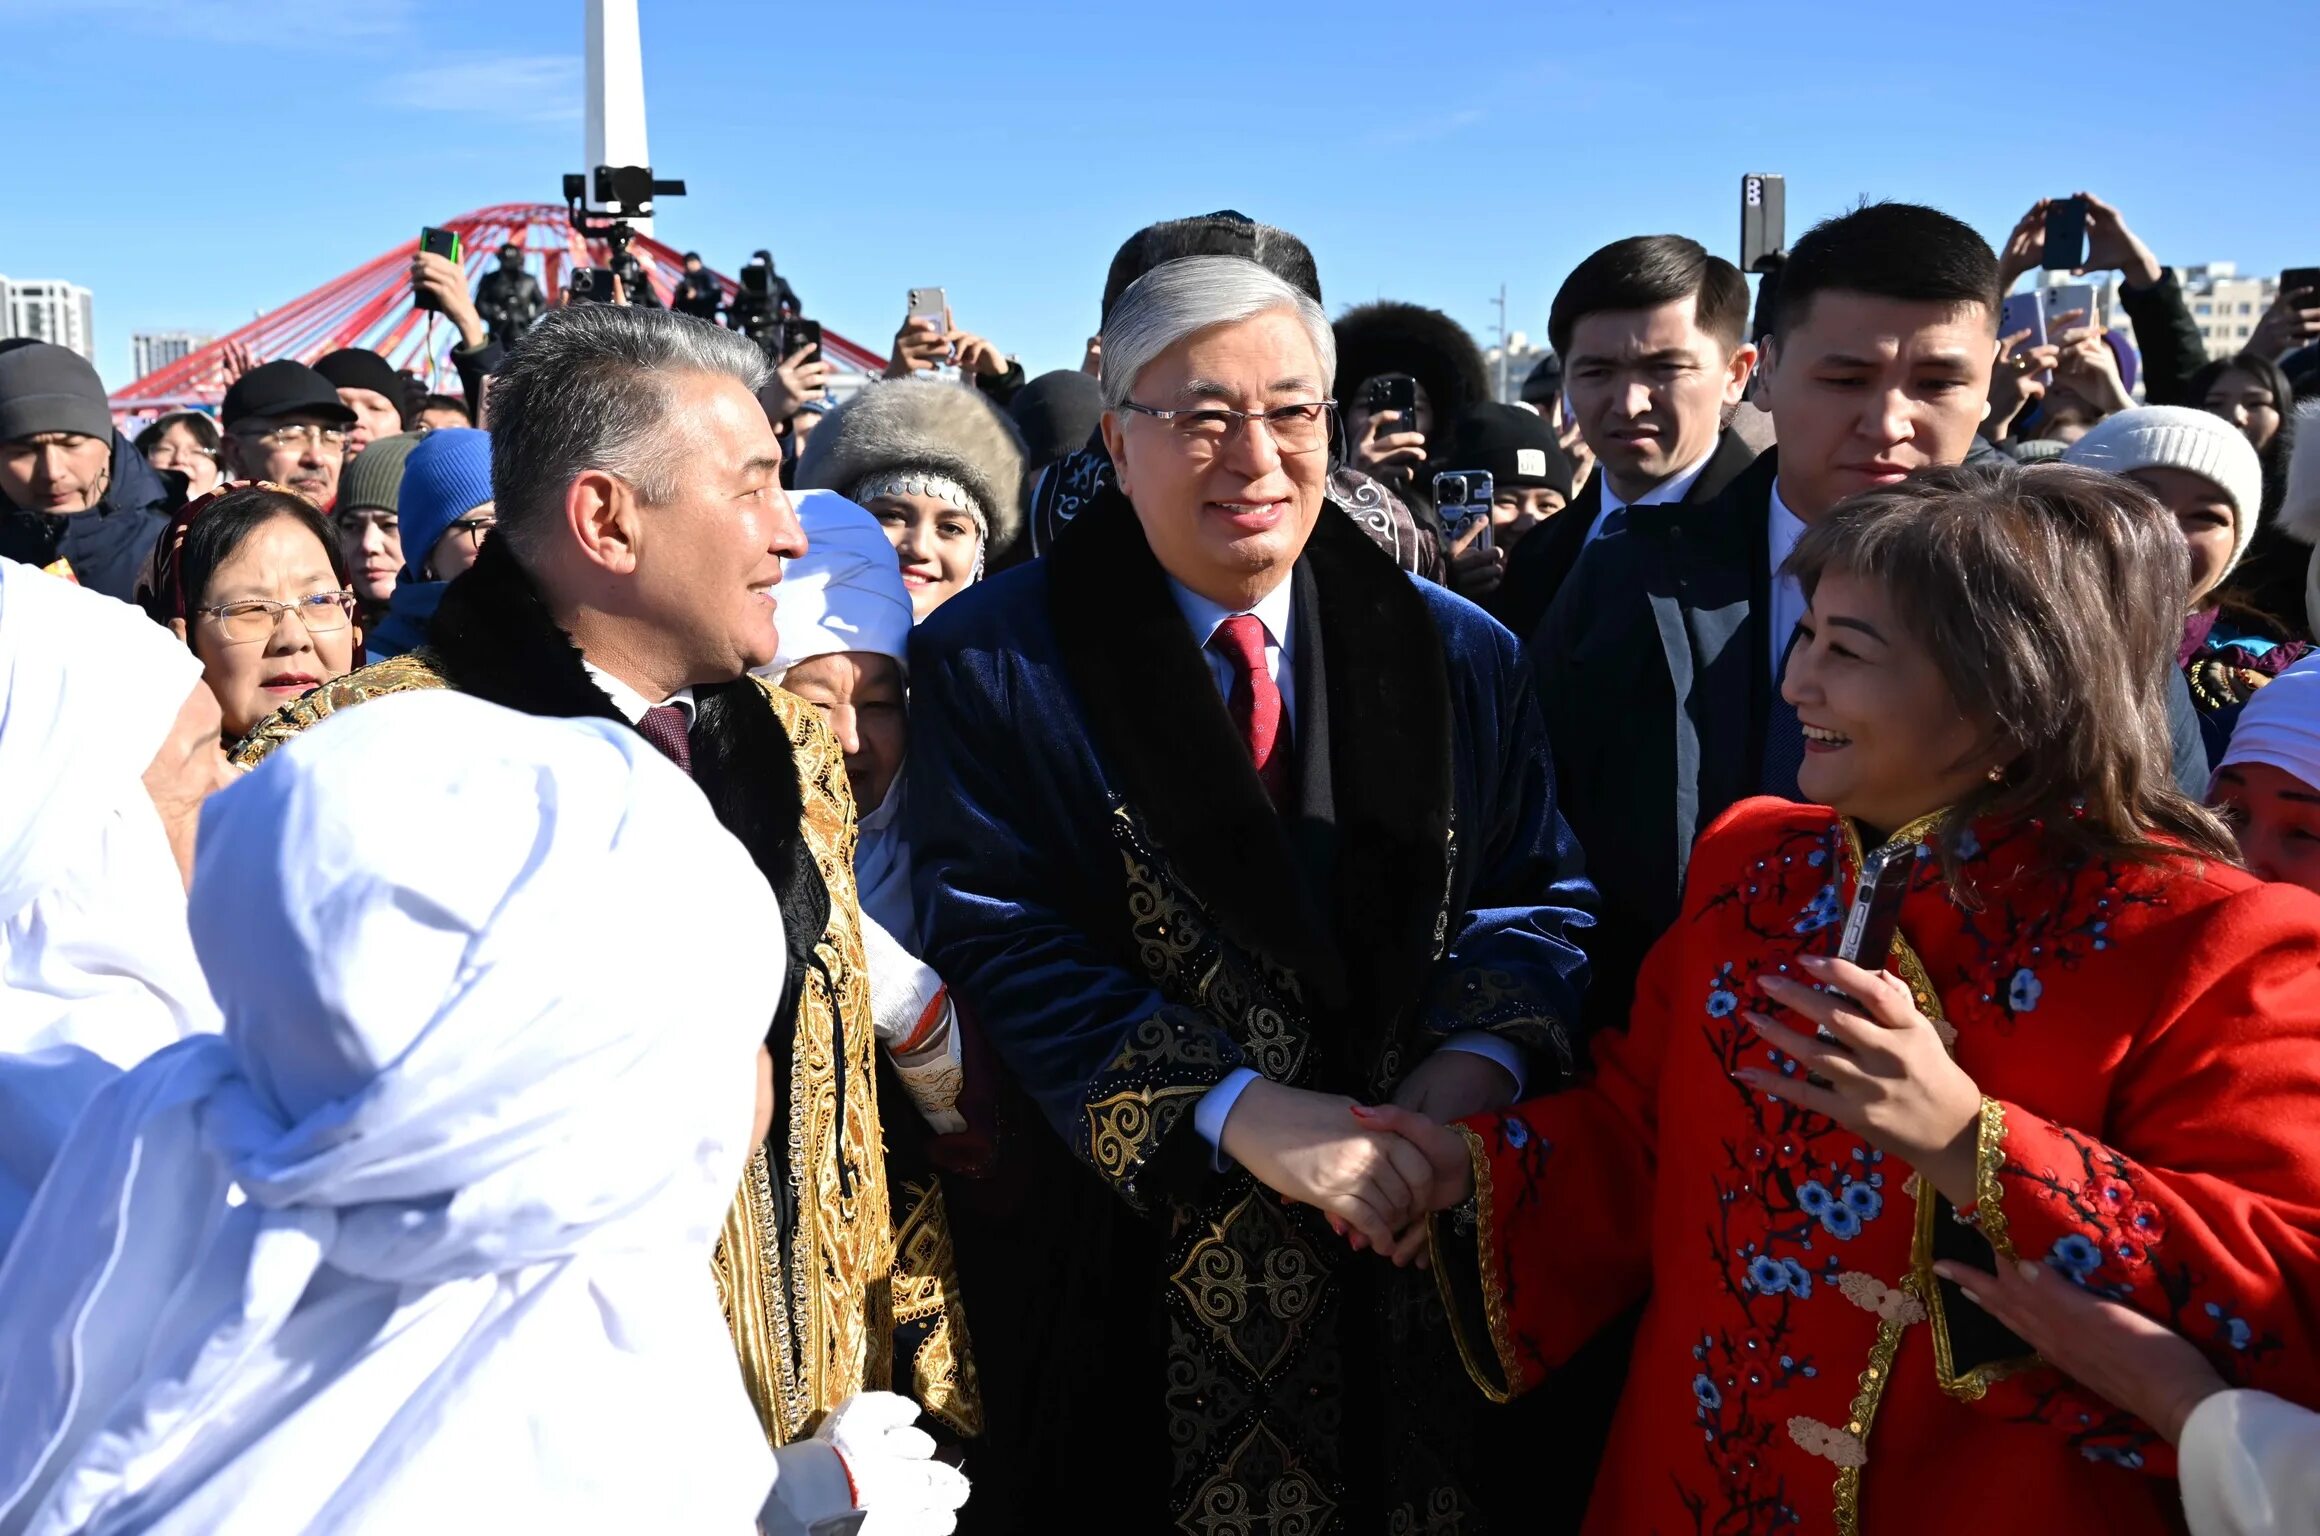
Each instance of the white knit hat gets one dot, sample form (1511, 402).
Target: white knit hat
(2178, 437)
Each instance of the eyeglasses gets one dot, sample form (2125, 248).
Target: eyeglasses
(473, 527)
(254, 619)
(301, 436)
(168, 455)
(1295, 429)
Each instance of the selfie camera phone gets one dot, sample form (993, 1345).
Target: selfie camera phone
(1396, 392)
(2303, 280)
(1463, 498)
(929, 304)
(801, 333)
(1763, 220)
(441, 242)
(1871, 921)
(591, 285)
(2065, 234)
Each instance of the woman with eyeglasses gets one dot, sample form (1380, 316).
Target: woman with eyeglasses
(185, 444)
(2096, 1051)
(445, 510)
(251, 578)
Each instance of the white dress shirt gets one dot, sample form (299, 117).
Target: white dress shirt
(1782, 529)
(628, 701)
(1673, 488)
(1275, 610)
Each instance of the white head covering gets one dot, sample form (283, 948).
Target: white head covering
(484, 1155)
(845, 592)
(2178, 437)
(2281, 724)
(93, 948)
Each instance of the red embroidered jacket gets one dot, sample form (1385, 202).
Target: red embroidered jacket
(2147, 1039)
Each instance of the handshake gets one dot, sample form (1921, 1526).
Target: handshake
(1376, 1172)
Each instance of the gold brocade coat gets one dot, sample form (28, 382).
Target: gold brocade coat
(815, 1331)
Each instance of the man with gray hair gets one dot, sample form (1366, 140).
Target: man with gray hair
(1225, 828)
(631, 577)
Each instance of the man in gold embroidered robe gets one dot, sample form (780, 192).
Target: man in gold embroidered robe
(633, 575)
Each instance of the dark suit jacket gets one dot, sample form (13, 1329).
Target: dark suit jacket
(1653, 672)
(1542, 562)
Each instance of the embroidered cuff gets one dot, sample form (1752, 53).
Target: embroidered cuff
(1466, 1271)
(1989, 1162)
(1167, 1065)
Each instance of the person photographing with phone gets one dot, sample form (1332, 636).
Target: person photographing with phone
(2092, 1050)
(929, 340)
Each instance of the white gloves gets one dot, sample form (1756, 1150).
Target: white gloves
(911, 1014)
(904, 1491)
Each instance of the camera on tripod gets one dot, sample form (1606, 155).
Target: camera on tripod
(623, 192)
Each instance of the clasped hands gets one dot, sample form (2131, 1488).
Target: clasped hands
(1376, 1172)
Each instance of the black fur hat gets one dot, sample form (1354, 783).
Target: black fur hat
(1390, 337)
(1224, 233)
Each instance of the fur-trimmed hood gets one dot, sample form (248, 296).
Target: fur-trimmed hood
(1392, 337)
(923, 424)
(2300, 505)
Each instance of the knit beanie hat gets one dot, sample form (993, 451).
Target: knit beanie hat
(48, 388)
(2178, 437)
(373, 478)
(1516, 446)
(446, 476)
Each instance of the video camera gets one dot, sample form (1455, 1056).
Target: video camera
(623, 192)
(762, 302)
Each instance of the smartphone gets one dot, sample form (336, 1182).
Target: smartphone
(1462, 497)
(930, 304)
(591, 285)
(2304, 280)
(1763, 220)
(1875, 916)
(441, 242)
(1396, 392)
(2065, 234)
(801, 333)
(2060, 301)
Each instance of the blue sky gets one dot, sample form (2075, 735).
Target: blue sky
(197, 161)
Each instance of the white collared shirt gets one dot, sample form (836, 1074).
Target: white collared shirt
(1276, 611)
(628, 701)
(1273, 610)
(1782, 529)
(1674, 488)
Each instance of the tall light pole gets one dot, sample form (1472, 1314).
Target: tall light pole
(1500, 394)
(615, 91)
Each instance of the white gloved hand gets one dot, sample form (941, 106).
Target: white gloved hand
(897, 1483)
(912, 1017)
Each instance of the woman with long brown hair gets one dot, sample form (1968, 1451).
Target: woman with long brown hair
(2098, 1047)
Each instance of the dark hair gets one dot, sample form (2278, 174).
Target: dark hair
(1889, 251)
(1225, 233)
(2051, 598)
(218, 526)
(203, 428)
(2273, 378)
(1644, 272)
(443, 403)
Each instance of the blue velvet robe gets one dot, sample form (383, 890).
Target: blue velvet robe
(1110, 896)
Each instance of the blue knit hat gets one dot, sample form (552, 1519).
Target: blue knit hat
(446, 477)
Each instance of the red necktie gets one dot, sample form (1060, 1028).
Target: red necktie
(1255, 702)
(664, 726)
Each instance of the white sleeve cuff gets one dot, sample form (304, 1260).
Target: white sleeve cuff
(1482, 1043)
(1208, 1116)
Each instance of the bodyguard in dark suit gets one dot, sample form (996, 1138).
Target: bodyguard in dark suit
(1659, 661)
(1650, 331)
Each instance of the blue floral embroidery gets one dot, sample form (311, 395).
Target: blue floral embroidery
(1841, 1222)
(1822, 913)
(2234, 1331)
(1864, 1201)
(1799, 1278)
(1722, 1004)
(2115, 1455)
(1768, 1274)
(1814, 1199)
(2076, 1256)
(1516, 1131)
(1968, 845)
(2023, 992)
(1705, 1391)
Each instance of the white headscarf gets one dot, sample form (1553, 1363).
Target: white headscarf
(93, 948)
(2281, 724)
(485, 1107)
(845, 593)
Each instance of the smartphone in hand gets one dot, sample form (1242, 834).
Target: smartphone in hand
(2065, 234)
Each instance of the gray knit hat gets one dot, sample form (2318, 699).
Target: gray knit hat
(48, 388)
(373, 478)
(2178, 437)
(925, 435)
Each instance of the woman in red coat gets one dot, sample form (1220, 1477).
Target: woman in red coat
(2098, 1046)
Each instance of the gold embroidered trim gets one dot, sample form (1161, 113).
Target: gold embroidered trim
(1493, 1291)
(1861, 1416)
(1989, 1160)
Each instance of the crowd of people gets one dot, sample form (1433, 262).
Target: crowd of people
(1733, 946)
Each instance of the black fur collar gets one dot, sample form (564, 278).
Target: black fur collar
(1158, 722)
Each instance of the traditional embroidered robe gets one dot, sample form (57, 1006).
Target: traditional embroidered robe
(807, 1270)
(1105, 886)
(2148, 1041)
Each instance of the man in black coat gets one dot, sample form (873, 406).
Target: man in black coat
(75, 495)
(1651, 333)
(1659, 661)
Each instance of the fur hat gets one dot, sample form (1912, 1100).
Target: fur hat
(1224, 233)
(1389, 337)
(933, 429)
